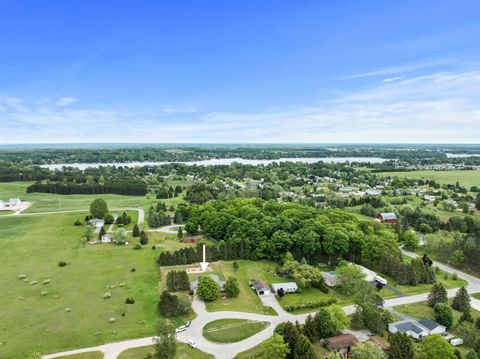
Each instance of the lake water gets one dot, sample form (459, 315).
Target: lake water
(223, 161)
(462, 155)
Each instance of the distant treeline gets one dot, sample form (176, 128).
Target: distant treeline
(132, 187)
(196, 152)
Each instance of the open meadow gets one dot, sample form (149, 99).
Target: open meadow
(465, 178)
(58, 308)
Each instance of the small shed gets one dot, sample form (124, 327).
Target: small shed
(13, 202)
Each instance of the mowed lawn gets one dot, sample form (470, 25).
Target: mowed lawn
(465, 178)
(232, 330)
(50, 202)
(183, 352)
(30, 322)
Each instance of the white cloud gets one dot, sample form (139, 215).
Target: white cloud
(434, 108)
(65, 101)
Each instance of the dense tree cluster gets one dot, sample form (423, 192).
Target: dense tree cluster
(413, 273)
(171, 305)
(133, 187)
(257, 229)
(177, 280)
(157, 217)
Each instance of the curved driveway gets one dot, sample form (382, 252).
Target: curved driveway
(230, 350)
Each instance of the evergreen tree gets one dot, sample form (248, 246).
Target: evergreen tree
(303, 349)
(231, 288)
(438, 294)
(275, 347)
(136, 231)
(401, 346)
(102, 232)
(310, 328)
(324, 323)
(471, 355)
(443, 314)
(165, 342)
(143, 237)
(180, 233)
(290, 335)
(466, 316)
(461, 301)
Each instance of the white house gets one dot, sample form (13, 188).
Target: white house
(432, 326)
(417, 329)
(12, 202)
(289, 287)
(429, 198)
(96, 222)
(371, 276)
(410, 327)
(106, 239)
(221, 283)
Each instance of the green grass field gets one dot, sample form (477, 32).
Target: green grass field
(247, 300)
(33, 246)
(466, 178)
(232, 330)
(183, 352)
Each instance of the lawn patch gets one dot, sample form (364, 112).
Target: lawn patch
(232, 330)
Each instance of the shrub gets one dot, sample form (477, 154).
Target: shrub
(311, 305)
(46, 281)
(68, 310)
(22, 276)
(33, 282)
(112, 320)
(44, 293)
(137, 246)
(62, 264)
(107, 295)
(77, 223)
(122, 285)
(129, 301)
(132, 270)
(454, 276)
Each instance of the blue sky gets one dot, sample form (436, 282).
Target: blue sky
(239, 71)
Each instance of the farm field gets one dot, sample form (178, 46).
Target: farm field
(232, 330)
(49, 202)
(465, 178)
(183, 352)
(72, 313)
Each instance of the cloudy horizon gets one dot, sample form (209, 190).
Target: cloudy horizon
(245, 85)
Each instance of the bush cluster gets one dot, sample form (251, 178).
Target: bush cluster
(311, 305)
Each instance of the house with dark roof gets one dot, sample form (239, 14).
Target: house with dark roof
(388, 217)
(341, 343)
(432, 326)
(417, 328)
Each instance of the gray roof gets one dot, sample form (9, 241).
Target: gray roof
(388, 215)
(221, 283)
(429, 323)
(288, 285)
(409, 326)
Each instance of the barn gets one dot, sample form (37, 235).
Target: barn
(388, 217)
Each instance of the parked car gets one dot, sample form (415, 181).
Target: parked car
(180, 329)
(192, 344)
(456, 342)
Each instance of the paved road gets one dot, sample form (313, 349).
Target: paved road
(228, 351)
(171, 229)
